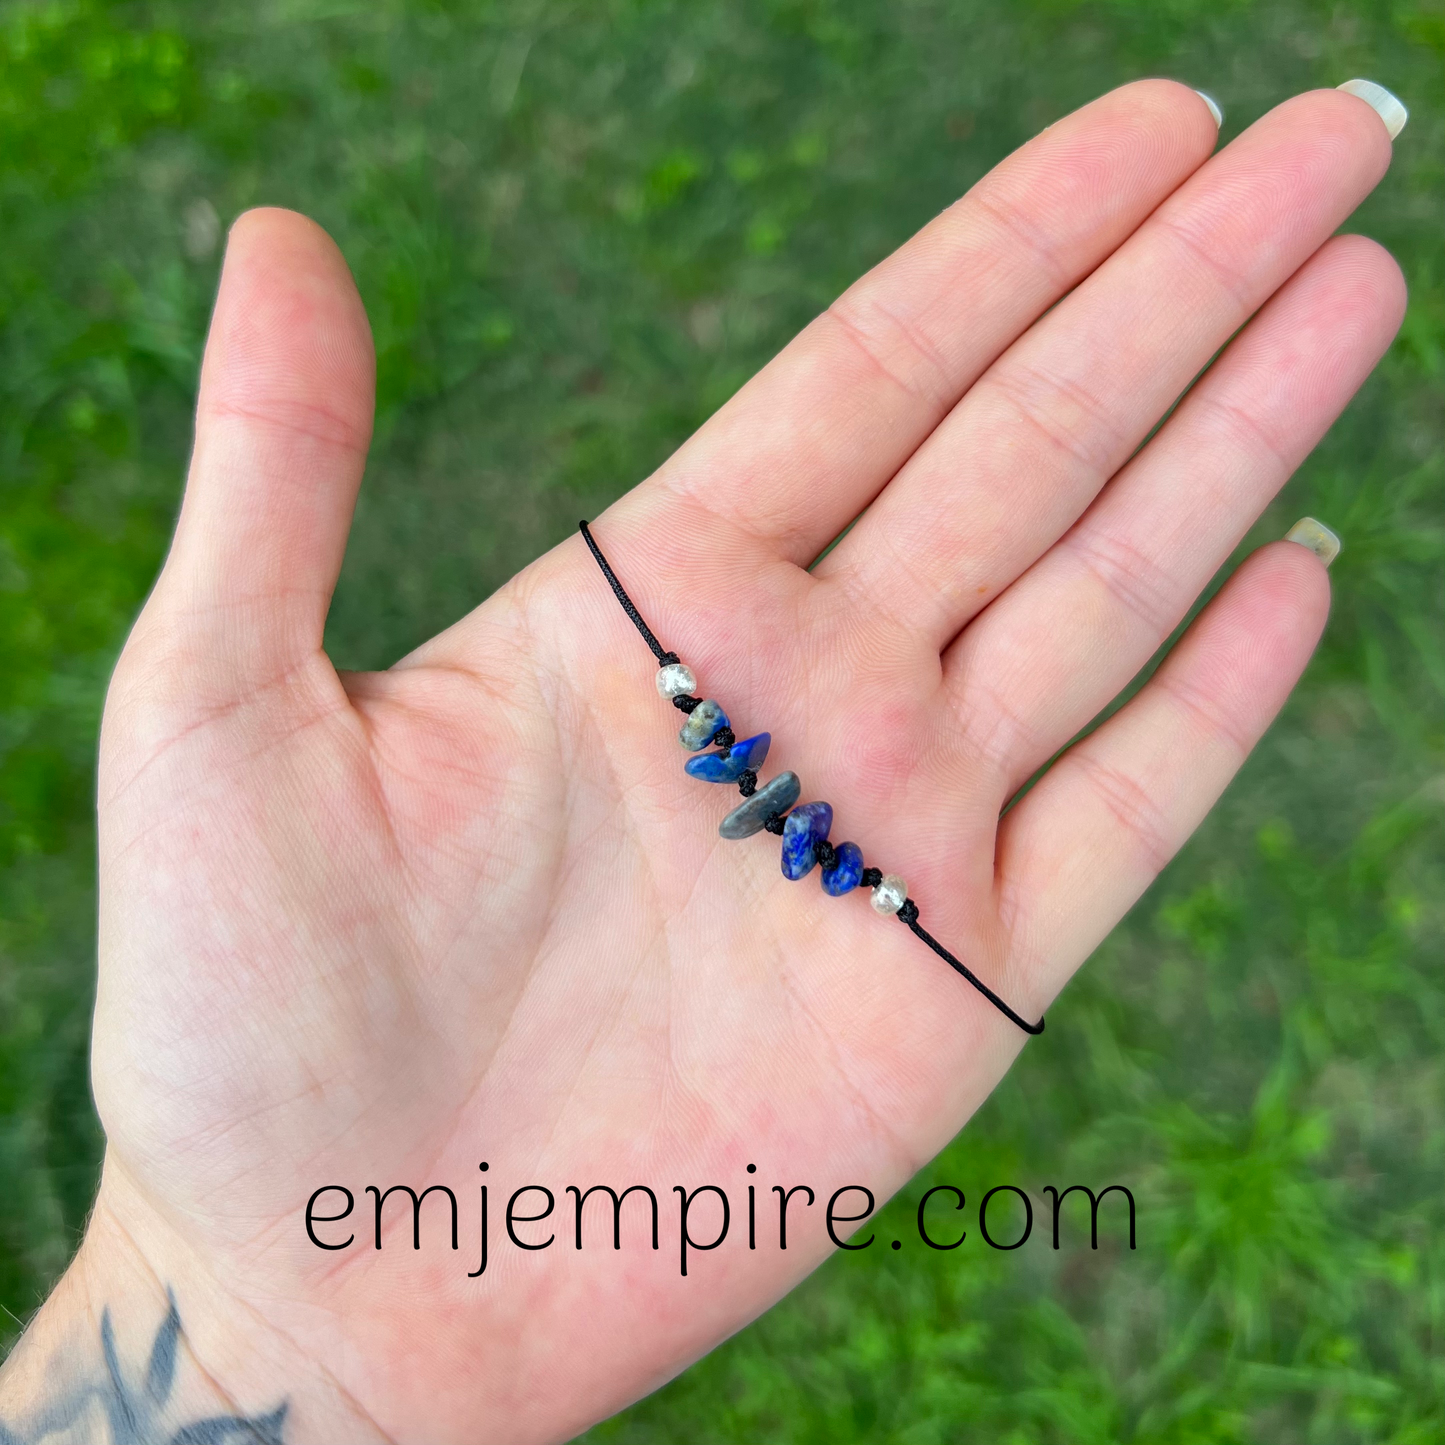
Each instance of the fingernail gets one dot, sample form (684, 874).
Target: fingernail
(1317, 537)
(1381, 101)
(1214, 109)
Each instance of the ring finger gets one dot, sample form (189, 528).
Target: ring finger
(1022, 455)
(1072, 631)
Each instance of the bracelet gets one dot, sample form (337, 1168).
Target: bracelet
(773, 807)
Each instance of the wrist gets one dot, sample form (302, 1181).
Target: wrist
(136, 1338)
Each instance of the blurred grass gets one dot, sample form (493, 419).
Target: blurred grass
(577, 230)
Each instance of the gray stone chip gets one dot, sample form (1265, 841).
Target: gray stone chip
(776, 796)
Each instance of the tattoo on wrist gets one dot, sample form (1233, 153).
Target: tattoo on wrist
(105, 1402)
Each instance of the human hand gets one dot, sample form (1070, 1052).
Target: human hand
(376, 928)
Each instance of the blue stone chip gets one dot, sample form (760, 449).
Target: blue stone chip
(846, 873)
(728, 768)
(802, 828)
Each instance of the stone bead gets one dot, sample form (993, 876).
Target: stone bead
(846, 872)
(889, 895)
(803, 828)
(703, 724)
(744, 754)
(775, 796)
(676, 679)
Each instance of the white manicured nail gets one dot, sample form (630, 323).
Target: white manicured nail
(1214, 109)
(1317, 537)
(1381, 101)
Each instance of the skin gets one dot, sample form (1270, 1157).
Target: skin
(376, 928)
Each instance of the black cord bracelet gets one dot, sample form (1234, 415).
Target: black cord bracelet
(772, 807)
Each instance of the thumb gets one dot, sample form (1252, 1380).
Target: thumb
(283, 422)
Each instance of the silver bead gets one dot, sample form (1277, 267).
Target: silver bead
(890, 895)
(675, 679)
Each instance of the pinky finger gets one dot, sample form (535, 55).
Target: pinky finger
(1090, 837)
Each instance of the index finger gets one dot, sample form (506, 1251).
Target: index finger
(807, 444)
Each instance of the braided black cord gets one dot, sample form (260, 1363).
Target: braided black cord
(657, 649)
(908, 913)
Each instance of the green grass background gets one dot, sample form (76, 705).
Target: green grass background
(577, 228)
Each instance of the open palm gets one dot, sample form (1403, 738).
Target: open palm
(378, 928)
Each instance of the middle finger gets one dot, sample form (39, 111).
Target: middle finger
(1026, 450)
